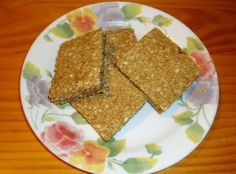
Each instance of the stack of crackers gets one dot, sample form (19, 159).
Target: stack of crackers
(108, 76)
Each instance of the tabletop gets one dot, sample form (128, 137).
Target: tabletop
(22, 21)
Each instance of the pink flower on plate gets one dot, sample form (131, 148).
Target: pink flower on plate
(205, 63)
(63, 137)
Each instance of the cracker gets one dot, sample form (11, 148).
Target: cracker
(107, 115)
(120, 41)
(79, 69)
(158, 67)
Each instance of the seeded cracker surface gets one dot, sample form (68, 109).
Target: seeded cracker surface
(79, 70)
(108, 114)
(120, 41)
(159, 68)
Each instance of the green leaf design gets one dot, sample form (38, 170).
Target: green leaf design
(131, 10)
(181, 104)
(48, 73)
(161, 20)
(101, 141)
(110, 166)
(153, 149)
(48, 118)
(184, 118)
(138, 165)
(193, 44)
(27, 99)
(195, 132)
(78, 119)
(142, 18)
(30, 70)
(47, 38)
(63, 106)
(62, 30)
(115, 146)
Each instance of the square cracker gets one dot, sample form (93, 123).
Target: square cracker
(119, 41)
(79, 69)
(158, 67)
(108, 114)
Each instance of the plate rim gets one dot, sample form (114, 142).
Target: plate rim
(55, 21)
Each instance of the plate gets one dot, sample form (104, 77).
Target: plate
(150, 141)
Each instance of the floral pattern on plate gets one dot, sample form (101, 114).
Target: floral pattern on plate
(106, 16)
(199, 94)
(64, 131)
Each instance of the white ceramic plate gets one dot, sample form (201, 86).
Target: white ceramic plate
(149, 142)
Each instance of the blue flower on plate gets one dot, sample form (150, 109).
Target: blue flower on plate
(201, 92)
(109, 15)
(38, 90)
